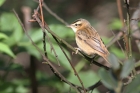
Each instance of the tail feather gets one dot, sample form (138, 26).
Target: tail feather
(106, 59)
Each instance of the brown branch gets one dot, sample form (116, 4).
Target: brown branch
(75, 72)
(41, 12)
(44, 34)
(120, 12)
(53, 14)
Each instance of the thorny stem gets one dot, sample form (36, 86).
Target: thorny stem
(129, 33)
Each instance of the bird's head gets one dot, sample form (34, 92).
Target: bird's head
(79, 24)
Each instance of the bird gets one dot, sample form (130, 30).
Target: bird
(88, 40)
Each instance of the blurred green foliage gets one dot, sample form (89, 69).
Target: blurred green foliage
(1, 2)
(13, 41)
(115, 25)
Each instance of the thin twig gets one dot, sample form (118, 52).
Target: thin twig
(55, 15)
(120, 12)
(41, 12)
(119, 44)
(117, 37)
(75, 72)
(44, 35)
(52, 13)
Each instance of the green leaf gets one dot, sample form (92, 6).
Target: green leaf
(1, 2)
(60, 54)
(114, 61)
(6, 49)
(127, 68)
(107, 79)
(14, 29)
(3, 36)
(134, 86)
(79, 66)
(7, 19)
(18, 33)
(31, 50)
(10, 41)
(88, 78)
(106, 40)
(36, 35)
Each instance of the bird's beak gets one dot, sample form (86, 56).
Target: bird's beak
(68, 26)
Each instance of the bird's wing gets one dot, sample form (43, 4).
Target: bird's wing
(93, 41)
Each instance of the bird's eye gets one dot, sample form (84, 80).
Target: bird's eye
(76, 24)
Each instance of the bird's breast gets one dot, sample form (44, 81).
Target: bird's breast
(85, 48)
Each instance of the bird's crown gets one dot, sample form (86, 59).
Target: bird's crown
(79, 24)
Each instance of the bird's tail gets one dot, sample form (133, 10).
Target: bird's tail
(106, 59)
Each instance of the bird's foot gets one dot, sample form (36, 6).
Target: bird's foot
(93, 58)
(77, 50)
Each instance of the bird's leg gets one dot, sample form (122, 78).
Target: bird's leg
(77, 50)
(93, 59)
